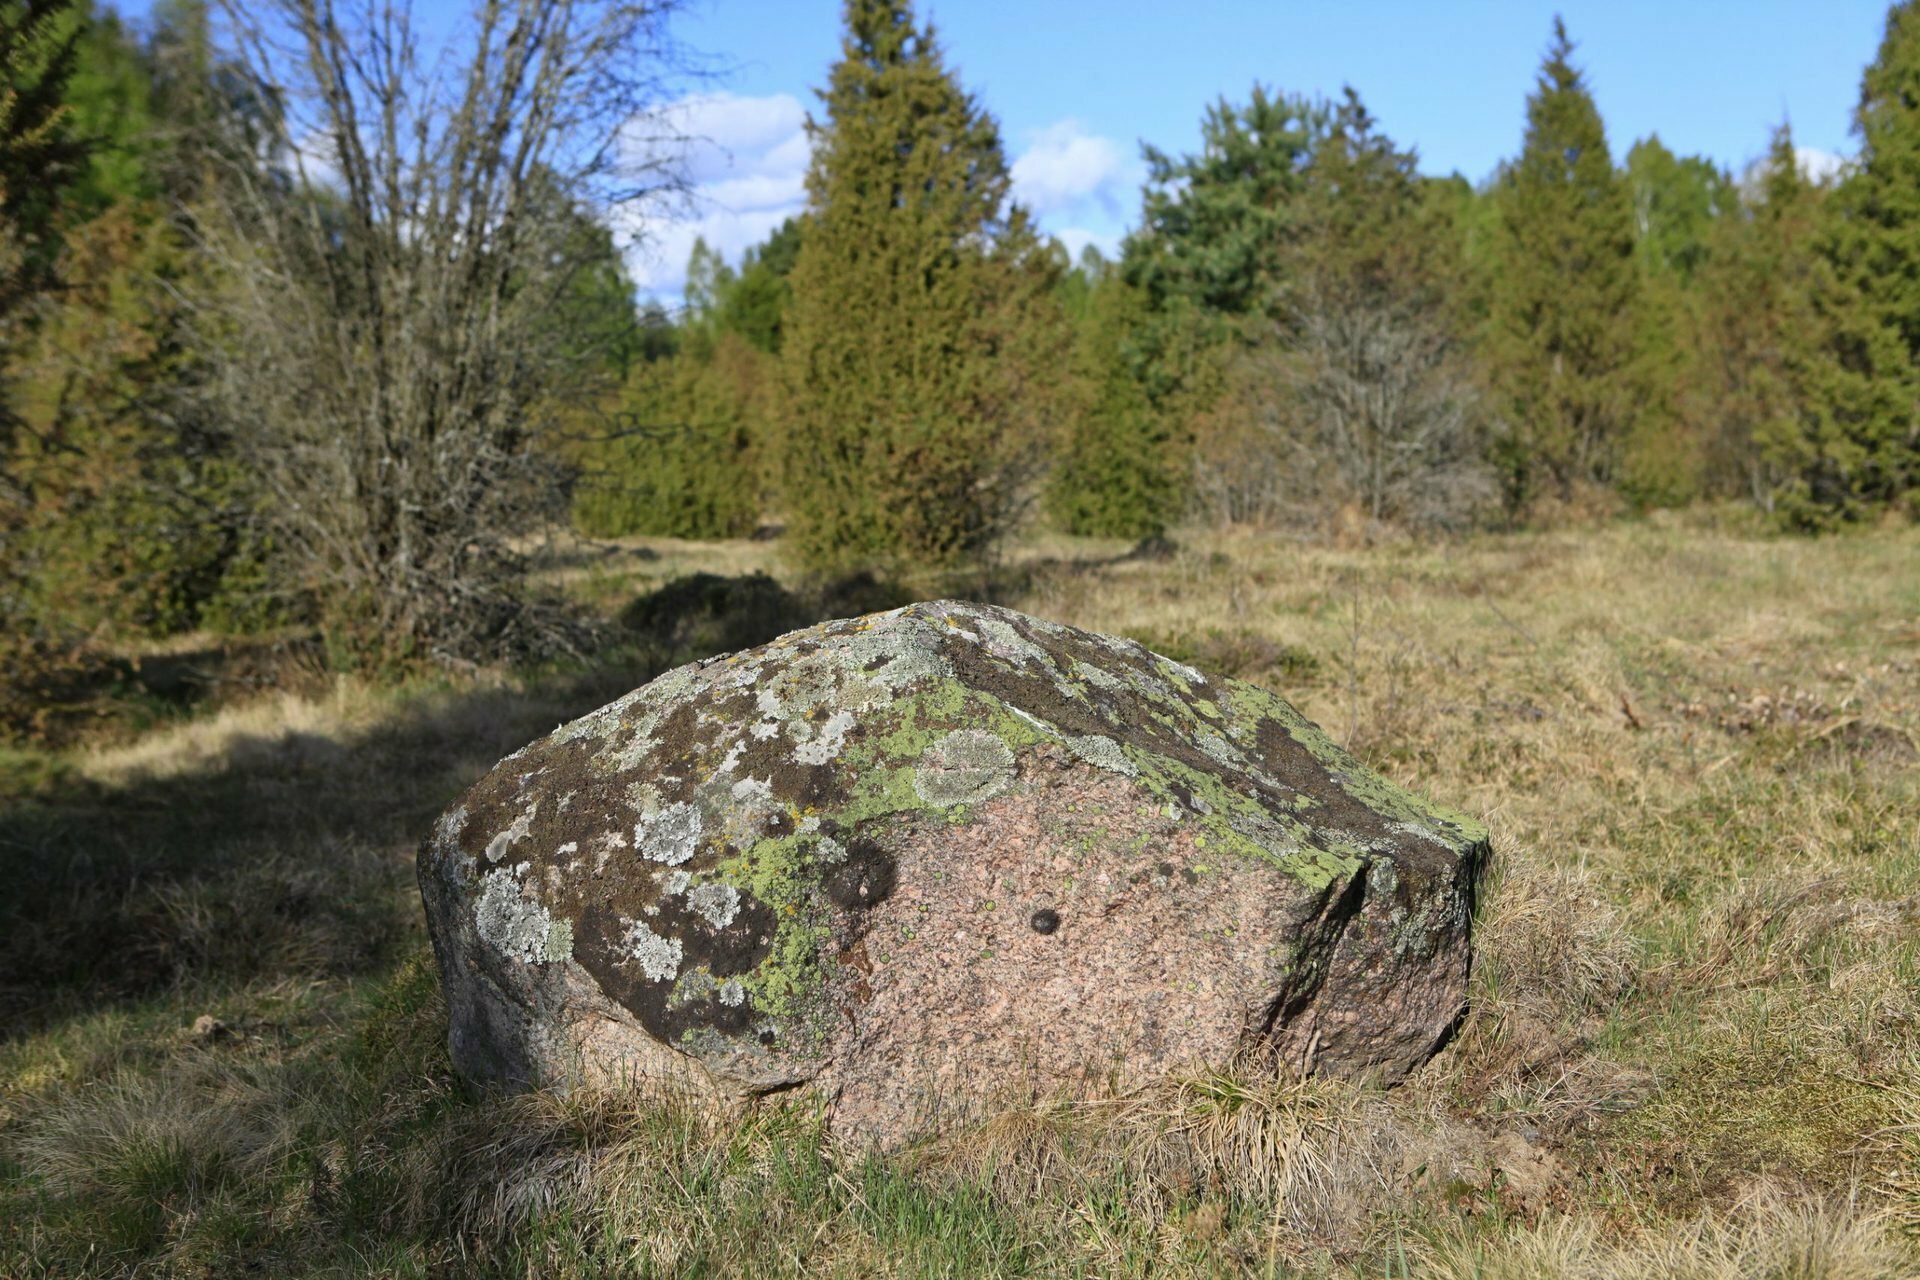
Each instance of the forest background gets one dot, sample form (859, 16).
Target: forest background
(290, 339)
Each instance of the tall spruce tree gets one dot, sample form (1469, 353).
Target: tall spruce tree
(1858, 445)
(1561, 331)
(39, 152)
(922, 316)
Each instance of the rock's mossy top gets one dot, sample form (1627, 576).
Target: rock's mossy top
(697, 845)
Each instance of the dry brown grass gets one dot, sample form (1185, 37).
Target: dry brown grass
(1694, 1048)
(1770, 1234)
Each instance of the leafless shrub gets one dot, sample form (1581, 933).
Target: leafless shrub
(395, 255)
(1366, 401)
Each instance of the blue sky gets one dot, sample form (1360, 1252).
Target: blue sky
(1078, 84)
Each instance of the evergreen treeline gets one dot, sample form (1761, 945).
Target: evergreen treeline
(1300, 329)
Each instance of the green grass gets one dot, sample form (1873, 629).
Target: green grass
(1694, 1048)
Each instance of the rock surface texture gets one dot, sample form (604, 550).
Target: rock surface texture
(927, 857)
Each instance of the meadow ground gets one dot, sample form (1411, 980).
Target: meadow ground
(1694, 1048)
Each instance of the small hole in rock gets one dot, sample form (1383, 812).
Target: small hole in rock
(1045, 920)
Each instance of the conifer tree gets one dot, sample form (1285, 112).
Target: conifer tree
(1363, 226)
(39, 152)
(1858, 445)
(680, 462)
(1373, 385)
(1118, 474)
(1560, 339)
(920, 319)
(1216, 226)
(1756, 329)
(755, 307)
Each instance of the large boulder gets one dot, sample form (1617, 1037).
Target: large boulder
(927, 857)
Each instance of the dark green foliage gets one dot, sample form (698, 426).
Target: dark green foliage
(923, 323)
(130, 513)
(1215, 226)
(679, 459)
(752, 301)
(1365, 229)
(1333, 375)
(1857, 446)
(110, 96)
(1678, 202)
(1119, 472)
(39, 151)
(1749, 329)
(1561, 341)
(592, 298)
(658, 337)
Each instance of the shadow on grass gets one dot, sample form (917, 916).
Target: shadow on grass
(291, 858)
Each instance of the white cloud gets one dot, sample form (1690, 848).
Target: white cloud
(1063, 167)
(1080, 186)
(1814, 164)
(1818, 165)
(747, 161)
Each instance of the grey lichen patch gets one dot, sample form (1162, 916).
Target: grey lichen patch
(627, 735)
(516, 926)
(1003, 641)
(1097, 677)
(598, 724)
(1222, 751)
(657, 957)
(827, 744)
(670, 835)
(877, 654)
(968, 766)
(450, 826)
(717, 904)
(1102, 752)
(516, 831)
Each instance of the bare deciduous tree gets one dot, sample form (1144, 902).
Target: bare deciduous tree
(1365, 402)
(396, 264)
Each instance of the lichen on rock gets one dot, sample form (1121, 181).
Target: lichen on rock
(773, 864)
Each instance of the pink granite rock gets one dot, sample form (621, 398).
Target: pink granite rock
(927, 858)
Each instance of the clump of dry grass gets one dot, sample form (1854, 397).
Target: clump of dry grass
(1900, 1141)
(137, 1134)
(1311, 1161)
(1773, 1233)
(1550, 946)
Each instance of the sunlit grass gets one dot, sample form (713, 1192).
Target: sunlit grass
(1694, 1048)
